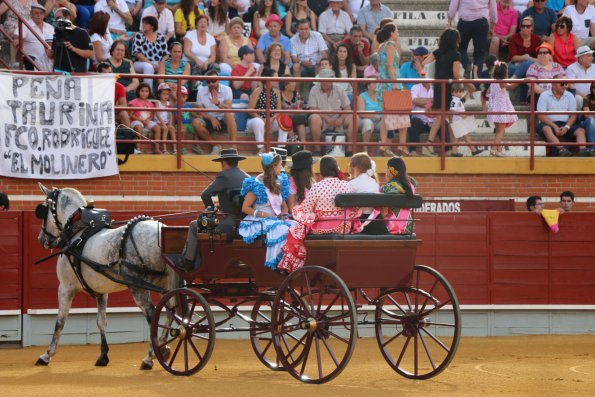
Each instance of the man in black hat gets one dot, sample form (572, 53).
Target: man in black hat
(230, 178)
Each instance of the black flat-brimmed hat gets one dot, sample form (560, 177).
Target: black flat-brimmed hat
(302, 159)
(230, 153)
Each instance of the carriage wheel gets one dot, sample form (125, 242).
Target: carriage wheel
(260, 333)
(183, 332)
(418, 328)
(314, 324)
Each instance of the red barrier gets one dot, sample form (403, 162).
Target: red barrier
(11, 243)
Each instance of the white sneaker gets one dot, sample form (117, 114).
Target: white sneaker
(216, 150)
(137, 151)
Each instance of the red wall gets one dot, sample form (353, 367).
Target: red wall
(489, 258)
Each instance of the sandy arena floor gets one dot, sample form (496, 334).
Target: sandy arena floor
(504, 366)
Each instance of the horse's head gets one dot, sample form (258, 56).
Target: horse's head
(55, 211)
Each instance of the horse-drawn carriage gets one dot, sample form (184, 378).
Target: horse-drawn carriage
(305, 323)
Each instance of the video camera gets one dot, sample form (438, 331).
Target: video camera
(61, 25)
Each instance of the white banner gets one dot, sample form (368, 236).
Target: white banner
(57, 127)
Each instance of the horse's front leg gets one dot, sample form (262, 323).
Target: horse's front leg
(142, 298)
(103, 359)
(65, 297)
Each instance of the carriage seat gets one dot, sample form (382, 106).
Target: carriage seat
(376, 200)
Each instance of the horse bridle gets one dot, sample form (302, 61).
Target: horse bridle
(49, 205)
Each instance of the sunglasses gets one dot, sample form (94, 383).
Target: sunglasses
(563, 26)
(527, 26)
(539, 1)
(563, 84)
(543, 53)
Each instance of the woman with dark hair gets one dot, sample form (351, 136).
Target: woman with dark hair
(266, 8)
(342, 64)
(301, 177)
(564, 42)
(318, 214)
(265, 206)
(388, 61)
(448, 67)
(100, 36)
(298, 9)
(174, 65)
(398, 182)
(121, 65)
(148, 48)
(290, 100)
(218, 21)
(185, 17)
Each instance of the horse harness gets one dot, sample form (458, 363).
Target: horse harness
(89, 221)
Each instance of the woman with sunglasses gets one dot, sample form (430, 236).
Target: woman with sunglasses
(564, 42)
(589, 122)
(544, 68)
(522, 49)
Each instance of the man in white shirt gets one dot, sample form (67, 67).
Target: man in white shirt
(334, 24)
(422, 95)
(118, 13)
(583, 21)
(32, 47)
(583, 68)
(164, 16)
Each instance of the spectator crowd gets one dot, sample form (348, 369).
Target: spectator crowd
(326, 39)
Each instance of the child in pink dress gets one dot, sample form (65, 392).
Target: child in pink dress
(499, 101)
(144, 119)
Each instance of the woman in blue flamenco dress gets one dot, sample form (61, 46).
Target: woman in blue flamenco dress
(265, 204)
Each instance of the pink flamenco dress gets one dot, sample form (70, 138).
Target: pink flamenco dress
(499, 101)
(317, 214)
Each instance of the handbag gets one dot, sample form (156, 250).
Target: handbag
(125, 148)
(399, 100)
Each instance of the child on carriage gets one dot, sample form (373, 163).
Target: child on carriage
(399, 220)
(265, 203)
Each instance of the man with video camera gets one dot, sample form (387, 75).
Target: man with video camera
(71, 47)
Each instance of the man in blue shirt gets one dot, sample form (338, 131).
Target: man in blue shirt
(544, 18)
(273, 24)
(412, 69)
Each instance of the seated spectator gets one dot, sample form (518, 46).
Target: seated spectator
(122, 66)
(544, 18)
(327, 96)
(564, 42)
(230, 45)
(100, 36)
(354, 7)
(299, 10)
(290, 100)
(318, 214)
(370, 101)
(165, 119)
(535, 204)
(4, 202)
(414, 69)
(399, 182)
(149, 48)
(134, 7)
(307, 48)
(273, 35)
(359, 48)
(504, 28)
(369, 17)
(192, 122)
(246, 68)
(32, 47)
(119, 16)
(344, 69)
(554, 127)
(583, 68)
(522, 49)
(84, 10)
(216, 12)
(185, 17)
(558, 5)
(165, 19)
(318, 6)
(174, 65)
(301, 177)
(143, 121)
(544, 68)
(258, 101)
(362, 170)
(266, 9)
(422, 95)
(582, 14)
(122, 116)
(589, 120)
(274, 59)
(52, 5)
(215, 96)
(200, 47)
(334, 24)
(566, 201)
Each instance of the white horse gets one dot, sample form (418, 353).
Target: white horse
(128, 253)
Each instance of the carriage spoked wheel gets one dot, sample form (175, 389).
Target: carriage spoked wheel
(261, 338)
(313, 324)
(418, 328)
(183, 332)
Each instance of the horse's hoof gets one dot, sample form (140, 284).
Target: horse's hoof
(144, 366)
(102, 362)
(40, 362)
